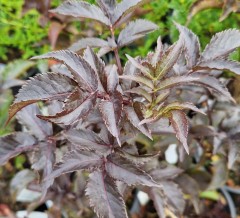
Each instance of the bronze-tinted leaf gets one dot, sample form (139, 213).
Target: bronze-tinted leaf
(14, 144)
(81, 9)
(135, 30)
(79, 67)
(134, 119)
(146, 71)
(49, 86)
(179, 122)
(104, 196)
(168, 60)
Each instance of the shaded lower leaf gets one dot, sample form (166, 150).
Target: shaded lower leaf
(179, 122)
(104, 196)
(14, 144)
(125, 171)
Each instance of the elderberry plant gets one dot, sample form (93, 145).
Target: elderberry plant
(94, 109)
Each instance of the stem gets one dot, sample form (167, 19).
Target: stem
(117, 57)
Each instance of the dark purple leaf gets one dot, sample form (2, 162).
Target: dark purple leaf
(87, 140)
(70, 116)
(76, 160)
(191, 45)
(123, 8)
(179, 122)
(85, 42)
(158, 199)
(134, 119)
(222, 44)
(176, 81)
(139, 79)
(140, 91)
(39, 128)
(14, 144)
(80, 68)
(174, 196)
(104, 196)
(135, 30)
(112, 79)
(81, 9)
(220, 64)
(49, 86)
(125, 171)
(111, 111)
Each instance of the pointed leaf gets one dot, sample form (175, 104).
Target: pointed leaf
(135, 30)
(76, 160)
(174, 196)
(70, 116)
(179, 122)
(49, 86)
(14, 144)
(37, 127)
(104, 196)
(168, 59)
(222, 44)
(140, 91)
(87, 140)
(233, 153)
(138, 159)
(112, 79)
(158, 53)
(81, 9)
(98, 65)
(111, 111)
(220, 64)
(214, 85)
(158, 199)
(134, 119)
(171, 82)
(142, 68)
(85, 42)
(125, 171)
(80, 68)
(139, 79)
(191, 44)
(125, 7)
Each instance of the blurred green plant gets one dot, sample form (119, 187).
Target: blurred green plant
(21, 35)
